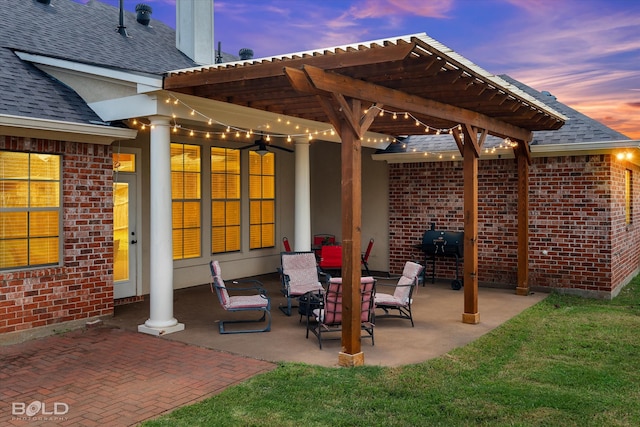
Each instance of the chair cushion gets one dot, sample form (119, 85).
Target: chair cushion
(222, 289)
(332, 313)
(386, 299)
(412, 269)
(247, 301)
(303, 289)
(302, 271)
(403, 289)
(409, 273)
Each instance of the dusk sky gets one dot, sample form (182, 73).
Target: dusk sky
(585, 52)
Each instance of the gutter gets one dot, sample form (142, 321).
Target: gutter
(65, 131)
(548, 150)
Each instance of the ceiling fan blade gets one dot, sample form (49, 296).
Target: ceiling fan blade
(281, 148)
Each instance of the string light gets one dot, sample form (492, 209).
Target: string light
(309, 133)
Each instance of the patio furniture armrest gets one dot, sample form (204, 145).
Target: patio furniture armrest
(388, 285)
(325, 275)
(258, 286)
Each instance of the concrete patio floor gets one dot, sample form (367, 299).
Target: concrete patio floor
(437, 313)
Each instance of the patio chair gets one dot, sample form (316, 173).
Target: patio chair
(320, 240)
(331, 258)
(259, 301)
(365, 257)
(323, 239)
(299, 274)
(285, 243)
(398, 304)
(328, 319)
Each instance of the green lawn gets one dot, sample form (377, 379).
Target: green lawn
(567, 361)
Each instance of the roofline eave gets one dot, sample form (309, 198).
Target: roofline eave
(543, 150)
(66, 131)
(144, 82)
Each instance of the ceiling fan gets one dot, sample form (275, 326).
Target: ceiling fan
(261, 146)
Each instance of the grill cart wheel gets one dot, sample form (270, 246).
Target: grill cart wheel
(456, 285)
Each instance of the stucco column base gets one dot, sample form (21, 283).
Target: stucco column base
(161, 331)
(472, 318)
(349, 360)
(523, 291)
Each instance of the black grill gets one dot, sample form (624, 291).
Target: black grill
(447, 243)
(439, 243)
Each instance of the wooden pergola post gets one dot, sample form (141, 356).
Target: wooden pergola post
(470, 153)
(351, 167)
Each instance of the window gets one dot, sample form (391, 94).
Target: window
(124, 162)
(225, 200)
(185, 194)
(261, 200)
(30, 209)
(628, 197)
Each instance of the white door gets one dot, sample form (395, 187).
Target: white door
(125, 236)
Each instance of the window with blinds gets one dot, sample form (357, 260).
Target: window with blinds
(186, 200)
(225, 200)
(30, 209)
(261, 200)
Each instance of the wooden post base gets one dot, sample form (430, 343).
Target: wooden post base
(349, 360)
(523, 291)
(472, 318)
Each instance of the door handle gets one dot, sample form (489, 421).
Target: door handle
(133, 242)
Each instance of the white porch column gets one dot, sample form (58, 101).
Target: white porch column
(302, 220)
(161, 320)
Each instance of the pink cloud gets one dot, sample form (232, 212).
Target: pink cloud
(388, 8)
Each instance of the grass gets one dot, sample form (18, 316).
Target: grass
(567, 361)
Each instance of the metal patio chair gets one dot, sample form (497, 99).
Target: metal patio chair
(365, 257)
(256, 300)
(328, 318)
(398, 304)
(299, 274)
(285, 243)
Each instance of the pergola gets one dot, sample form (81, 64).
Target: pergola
(348, 87)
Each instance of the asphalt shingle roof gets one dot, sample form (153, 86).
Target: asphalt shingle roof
(28, 92)
(87, 33)
(84, 33)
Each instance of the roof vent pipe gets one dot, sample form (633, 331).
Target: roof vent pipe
(121, 28)
(44, 1)
(143, 13)
(245, 54)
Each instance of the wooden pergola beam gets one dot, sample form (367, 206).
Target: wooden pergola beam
(266, 70)
(357, 89)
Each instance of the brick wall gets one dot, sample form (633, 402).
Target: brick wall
(576, 215)
(82, 287)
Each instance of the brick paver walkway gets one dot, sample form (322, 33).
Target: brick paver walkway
(110, 377)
